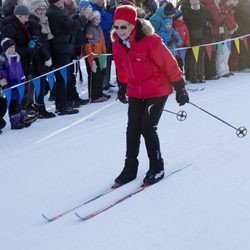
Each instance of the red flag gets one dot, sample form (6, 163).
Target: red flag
(209, 49)
(90, 60)
(245, 41)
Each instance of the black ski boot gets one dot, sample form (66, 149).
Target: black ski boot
(153, 176)
(129, 172)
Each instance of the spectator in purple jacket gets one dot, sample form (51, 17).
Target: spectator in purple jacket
(12, 74)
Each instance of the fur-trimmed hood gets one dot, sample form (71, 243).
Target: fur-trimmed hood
(143, 28)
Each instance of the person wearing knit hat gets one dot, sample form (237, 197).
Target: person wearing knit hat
(6, 43)
(178, 13)
(21, 10)
(83, 5)
(147, 73)
(163, 3)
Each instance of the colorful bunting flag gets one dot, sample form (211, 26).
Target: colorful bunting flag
(237, 44)
(90, 61)
(7, 93)
(21, 90)
(229, 46)
(64, 74)
(196, 50)
(183, 54)
(37, 85)
(245, 41)
(103, 61)
(209, 49)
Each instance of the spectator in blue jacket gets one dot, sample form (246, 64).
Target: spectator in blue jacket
(170, 37)
(160, 14)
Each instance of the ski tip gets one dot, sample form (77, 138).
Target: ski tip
(46, 218)
(80, 217)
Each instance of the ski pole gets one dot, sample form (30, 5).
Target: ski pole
(240, 132)
(181, 115)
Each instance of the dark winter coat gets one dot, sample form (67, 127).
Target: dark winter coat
(149, 6)
(148, 66)
(242, 17)
(63, 28)
(198, 25)
(14, 29)
(43, 44)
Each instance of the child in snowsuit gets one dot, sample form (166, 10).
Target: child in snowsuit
(170, 37)
(11, 71)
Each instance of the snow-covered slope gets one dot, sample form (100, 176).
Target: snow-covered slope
(58, 163)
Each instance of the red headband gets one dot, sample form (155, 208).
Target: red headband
(127, 13)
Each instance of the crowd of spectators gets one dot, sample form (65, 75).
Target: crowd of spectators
(40, 36)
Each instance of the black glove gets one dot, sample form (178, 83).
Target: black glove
(181, 92)
(121, 94)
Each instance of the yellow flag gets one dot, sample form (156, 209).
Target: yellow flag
(196, 50)
(237, 44)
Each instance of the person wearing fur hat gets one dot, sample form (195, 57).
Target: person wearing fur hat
(11, 72)
(147, 73)
(161, 13)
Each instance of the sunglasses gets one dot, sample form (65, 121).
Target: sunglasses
(122, 27)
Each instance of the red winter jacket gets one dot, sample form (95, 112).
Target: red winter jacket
(216, 15)
(182, 29)
(148, 66)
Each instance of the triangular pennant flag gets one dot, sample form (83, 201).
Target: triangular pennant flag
(102, 60)
(21, 90)
(237, 44)
(64, 74)
(37, 84)
(51, 80)
(229, 46)
(90, 61)
(7, 93)
(245, 41)
(209, 49)
(196, 50)
(183, 54)
(221, 47)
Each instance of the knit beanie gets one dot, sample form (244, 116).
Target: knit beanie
(83, 5)
(21, 10)
(169, 9)
(35, 4)
(177, 14)
(6, 43)
(94, 14)
(127, 13)
(162, 2)
(53, 1)
(93, 1)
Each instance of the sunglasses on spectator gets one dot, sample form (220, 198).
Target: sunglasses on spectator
(122, 27)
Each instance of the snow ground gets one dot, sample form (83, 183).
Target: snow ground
(58, 163)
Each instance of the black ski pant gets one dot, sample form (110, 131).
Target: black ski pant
(143, 118)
